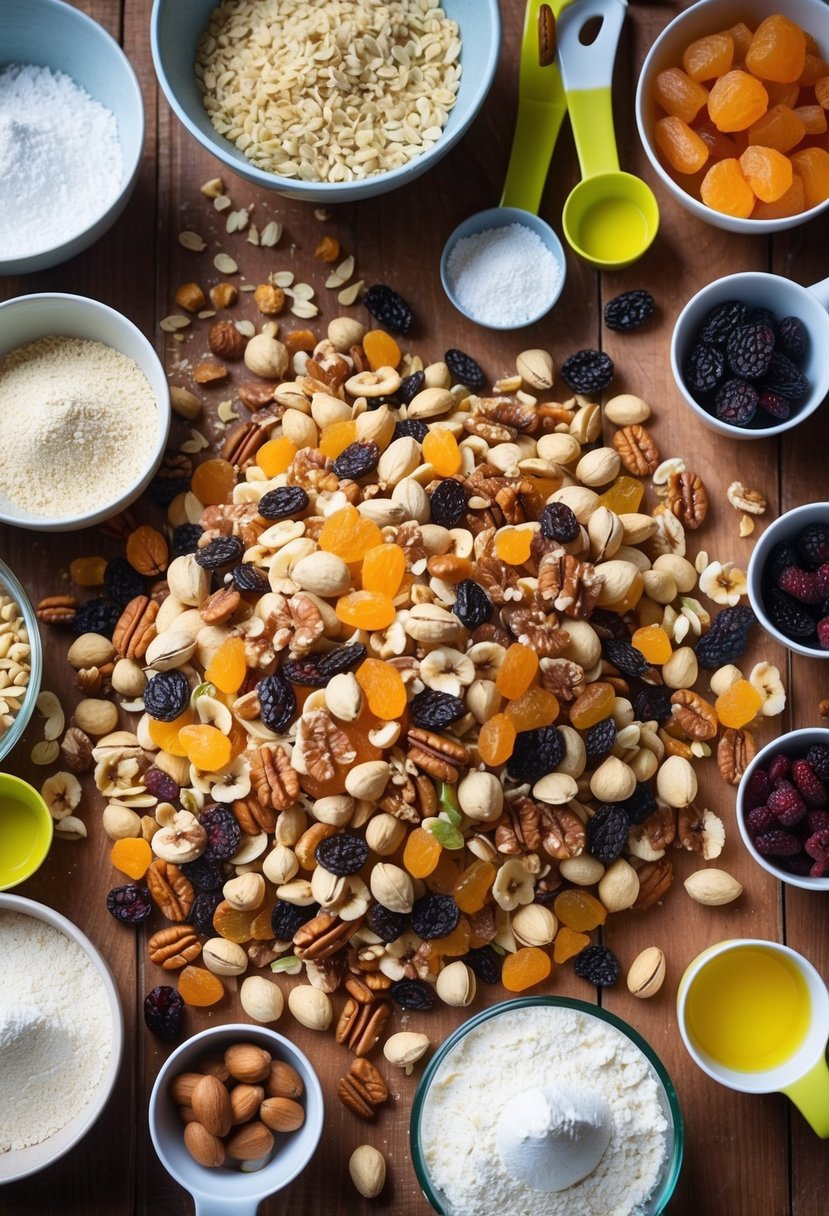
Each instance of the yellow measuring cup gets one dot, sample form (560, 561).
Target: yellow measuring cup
(610, 218)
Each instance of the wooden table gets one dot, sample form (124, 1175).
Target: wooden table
(744, 1156)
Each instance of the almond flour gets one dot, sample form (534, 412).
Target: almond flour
(78, 426)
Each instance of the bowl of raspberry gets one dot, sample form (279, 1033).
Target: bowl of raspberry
(788, 580)
(783, 808)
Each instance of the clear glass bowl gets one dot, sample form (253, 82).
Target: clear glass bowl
(667, 1096)
(10, 585)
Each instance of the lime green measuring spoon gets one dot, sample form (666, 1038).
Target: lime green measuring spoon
(610, 218)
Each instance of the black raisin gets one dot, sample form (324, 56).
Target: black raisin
(343, 854)
(486, 963)
(609, 624)
(736, 402)
(161, 784)
(749, 350)
(727, 639)
(722, 321)
(130, 904)
(472, 606)
(536, 753)
(625, 656)
(433, 710)
(167, 485)
(97, 616)
(413, 994)
(788, 616)
(224, 836)
(599, 741)
(434, 915)
(164, 1012)
(166, 695)
(448, 502)
(598, 965)
(464, 369)
(287, 918)
(629, 310)
(704, 368)
(409, 387)
(203, 910)
(357, 460)
(775, 404)
(333, 662)
(248, 577)
(411, 427)
(389, 308)
(558, 522)
(122, 582)
(386, 924)
(305, 671)
(607, 833)
(813, 545)
(587, 371)
(277, 701)
(205, 873)
(285, 502)
(781, 557)
(653, 703)
(221, 551)
(640, 804)
(793, 338)
(783, 376)
(185, 539)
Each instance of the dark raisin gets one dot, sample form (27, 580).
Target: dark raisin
(434, 915)
(203, 910)
(472, 605)
(221, 551)
(813, 545)
(763, 316)
(161, 784)
(333, 662)
(448, 502)
(166, 695)
(486, 963)
(411, 427)
(625, 656)
(277, 701)
(286, 502)
(97, 616)
(781, 558)
(587, 371)
(721, 321)
(793, 338)
(558, 522)
(599, 741)
(224, 835)
(598, 965)
(607, 833)
(409, 387)
(775, 404)
(287, 918)
(185, 539)
(305, 671)
(704, 368)
(205, 873)
(167, 485)
(357, 460)
(248, 577)
(736, 402)
(386, 924)
(783, 376)
(343, 854)
(433, 710)
(653, 703)
(130, 904)
(749, 350)
(788, 616)
(122, 582)
(609, 624)
(413, 994)
(464, 369)
(629, 310)
(389, 308)
(164, 1012)
(818, 758)
(536, 753)
(640, 804)
(727, 639)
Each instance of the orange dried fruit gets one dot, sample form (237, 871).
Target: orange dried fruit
(678, 94)
(440, 449)
(471, 890)
(814, 68)
(527, 967)
(444, 876)
(228, 667)
(780, 127)
(782, 94)
(741, 36)
(568, 943)
(349, 534)
(579, 910)
(738, 704)
(200, 987)
(681, 146)
(336, 437)
(593, 705)
(709, 57)
(778, 50)
(813, 119)
(497, 739)
(456, 942)
(790, 203)
(234, 924)
(517, 671)
(720, 146)
(205, 746)
(422, 853)
(365, 610)
(513, 545)
(736, 101)
(213, 481)
(383, 569)
(132, 857)
(384, 688)
(822, 92)
(535, 707)
(653, 642)
(276, 456)
(767, 171)
(623, 496)
(812, 167)
(88, 571)
(724, 188)
(166, 734)
(381, 350)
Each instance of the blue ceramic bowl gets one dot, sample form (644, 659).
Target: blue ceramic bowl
(175, 32)
(48, 33)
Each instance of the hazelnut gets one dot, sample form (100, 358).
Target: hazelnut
(269, 300)
(223, 295)
(266, 357)
(190, 297)
(225, 340)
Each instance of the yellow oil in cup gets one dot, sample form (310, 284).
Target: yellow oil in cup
(25, 831)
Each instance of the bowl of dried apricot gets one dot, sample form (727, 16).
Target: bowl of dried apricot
(732, 112)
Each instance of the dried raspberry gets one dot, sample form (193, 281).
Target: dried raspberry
(558, 522)
(224, 835)
(130, 904)
(705, 368)
(822, 580)
(793, 338)
(779, 768)
(819, 869)
(777, 844)
(760, 819)
(817, 846)
(775, 404)
(164, 1012)
(787, 804)
(801, 585)
(607, 833)
(727, 639)
(722, 321)
(809, 785)
(788, 616)
(818, 757)
(736, 402)
(757, 789)
(823, 633)
(599, 965)
(587, 371)
(749, 350)
(813, 545)
(629, 310)
(817, 821)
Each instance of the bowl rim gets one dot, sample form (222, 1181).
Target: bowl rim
(335, 191)
(17, 782)
(13, 735)
(754, 575)
(791, 741)
(95, 1108)
(558, 1002)
(131, 90)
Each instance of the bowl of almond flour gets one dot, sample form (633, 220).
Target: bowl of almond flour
(61, 1036)
(84, 412)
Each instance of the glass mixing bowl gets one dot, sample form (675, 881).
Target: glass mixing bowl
(10, 586)
(672, 1163)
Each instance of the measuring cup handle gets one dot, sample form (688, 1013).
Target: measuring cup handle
(821, 292)
(810, 1095)
(211, 1205)
(587, 71)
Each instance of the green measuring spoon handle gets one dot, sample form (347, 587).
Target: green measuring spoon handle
(587, 72)
(810, 1095)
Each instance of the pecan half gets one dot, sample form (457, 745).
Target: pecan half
(735, 751)
(695, 715)
(492, 432)
(220, 606)
(637, 450)
(323, 935)
(655, 878)
(659, 829)
(171, 891)
(361, 1024)
(173, 947)
(135, 628)
(253, 817)
(255, 394)
(242, 442)
(689, 828)
(563, 834)
(363, 1089)
(442, 758)
(563, 678)
(273, 779)
(687, 499)
(57, 609)
(568, 585)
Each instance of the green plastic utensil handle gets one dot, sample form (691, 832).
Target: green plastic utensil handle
(591, 117)
(541, 108)
(810, 1094)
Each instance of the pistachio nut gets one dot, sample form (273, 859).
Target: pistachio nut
(536, 368)
(367, 1169)
(676, 782)
(344, 697)
(323, 573)
(189, 583)
(392, 887)
(619, 886)
(613, 781)
(647, 973)
(534, 925)
(556, 789)
(405, 1048)
(626, 409)
(384, 834)
(598, 467)
(224, 957)
(582, 871)
(311, 1006)
(336, 809)
(368, 780)
(245, 892)
(261, 999)
(456, 984)
(713, 887)
(481, 796)
(280, 865)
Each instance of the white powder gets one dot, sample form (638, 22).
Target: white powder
(55, 1030)
(503, 276)
(61, 165)
(512, 1053)
(78, 426)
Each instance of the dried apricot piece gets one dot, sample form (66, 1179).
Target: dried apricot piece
(813, 119)
(790, 203)
(88, 571)
(579, 910)
(517, 671)
(454, 943)
(709, 57)
(444, 876)
(813, 69)
(568, 943)
(234, 924)
(680, 144)
(782, 94)
(365, 610)
(535, 707)
(822, 92)
(527, 967)
(724, 188)
(738, 704)
(213, 481)
(336, 437)
(812, 167)
(166, 734)
(654, 643)
(349, 534)
(778, 50)
(497, 739)
(422, 853)
(198, 986)
(780, 127)
(132, 857)
(741, 36)
(720, 146)
(736, 101)
(678, 94)
(482, 927)
(381, 350)
(471, 891)
(440, 449)
(767, 171)
(593, 705)
(205, 746)
(513, 545)
(228, 666)
(276, 455)
(383, 569)
(623, 496)
(384, 688)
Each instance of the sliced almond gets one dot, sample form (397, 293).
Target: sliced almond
(225, 264)
(192, 241)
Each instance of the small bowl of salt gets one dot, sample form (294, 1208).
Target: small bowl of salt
(503, 268)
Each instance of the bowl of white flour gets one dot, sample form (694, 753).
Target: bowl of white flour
(61, 1036)
(549, 1107)
(71, 133)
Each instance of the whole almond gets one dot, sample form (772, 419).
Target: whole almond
(647, 973)
(245, 1101)
(250, 1142)
(211, 1105)
(182, 1086)
(713, 887)
(282, 1114)
(247, 1062)
(283, 1081)
(203, 1146)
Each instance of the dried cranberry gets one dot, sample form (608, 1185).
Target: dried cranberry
(486, 963)
(472, 606)
(434, 915)
(464, 369)
(535, 753)
(166, 695)
(607, 833)
(558, 522)
(448, 502)
(413, 994)
(130, 904)
(287, 918)
(277, 701)
(285, 502)
(161, 784)
(599, 965)
(343, 854)
(386, 924)
(205, 873)
(224, 836)
(433, 710)
(357, 460)
(164, 1012)
(221, 551)
(203, 910)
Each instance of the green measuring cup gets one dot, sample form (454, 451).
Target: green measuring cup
(610, 218)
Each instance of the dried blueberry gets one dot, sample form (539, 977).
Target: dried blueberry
(721, 321)
(587, 371)
(536, 753)
(783, 376)
(389, 308)
(164, 1012)
(205, 873)
(653, 703)
(413, 994)
(749, 350)
(287, 918)
(386, 924)
(607, 833)
(224, 835)
(248, 577)
(333, 662)
(185, 539)
(472, 606)
(122, 581)
(788, 616)
(130, 904)
(203, 910)
(727, 639)
(433, 710)
(599, 741)
(411, 427)
(409, 387)
(161, 784)
(343, 854)
(598, 965)
(625, 656)
(277, 701)
(285, 502)
(434, 915)
(464, 369)
(486, 963)
(704, 368)
(793, 338)
(448, 502)
(558, 522)
(357, 460)
(629, 310)
(221, 551)
(736, 402)
(96, 616)
(640, 804)
(166, 695)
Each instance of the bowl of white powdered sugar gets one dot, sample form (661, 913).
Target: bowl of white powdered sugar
(61, 1036)
(71, 133)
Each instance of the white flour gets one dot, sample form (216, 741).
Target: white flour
(513, 1053)
(55, 1030)
(503, 276)
(61, 165)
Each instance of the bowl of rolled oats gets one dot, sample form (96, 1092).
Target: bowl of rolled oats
(321, 102)
(20, 660)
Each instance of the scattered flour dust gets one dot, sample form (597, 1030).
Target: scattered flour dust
(78, 426)
(512, 1053)
(55, 1030)
(61, 164)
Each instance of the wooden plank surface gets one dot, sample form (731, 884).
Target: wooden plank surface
(744, 1156)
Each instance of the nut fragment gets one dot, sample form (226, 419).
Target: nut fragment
(742, 499)
(647, 973)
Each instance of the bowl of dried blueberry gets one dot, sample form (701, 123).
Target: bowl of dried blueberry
(788, 580)
(748, 370)
(783, 808)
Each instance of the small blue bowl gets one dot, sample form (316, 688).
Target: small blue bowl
(48, 33)
(175, 31)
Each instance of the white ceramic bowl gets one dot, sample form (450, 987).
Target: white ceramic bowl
(51, 34)
(708, 17)
(786, 528)
(11, 586)
(19, 1163)
(796, 743)
(175, 32)
(27, 318)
